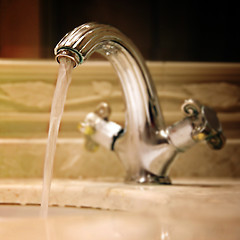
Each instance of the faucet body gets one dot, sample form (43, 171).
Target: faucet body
(144, 145)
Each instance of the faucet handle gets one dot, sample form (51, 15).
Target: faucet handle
(103, 110)
(191, 108)
(98, 130)
(206, 125)
(88, 130)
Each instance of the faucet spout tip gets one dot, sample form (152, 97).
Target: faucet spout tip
(69, 53)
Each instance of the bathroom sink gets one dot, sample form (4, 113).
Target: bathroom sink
(84, 209)
(70, 223)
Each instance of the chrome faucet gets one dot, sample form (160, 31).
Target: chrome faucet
(144, 145)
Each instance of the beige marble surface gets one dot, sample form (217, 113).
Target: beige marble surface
(110, 226)
(188, 209)
(23, 158)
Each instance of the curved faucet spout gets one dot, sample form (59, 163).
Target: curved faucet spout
(135, 78)
(145, 147)
(143, 115)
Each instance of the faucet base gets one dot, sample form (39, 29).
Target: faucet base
(148, 177)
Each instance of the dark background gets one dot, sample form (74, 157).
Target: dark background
(162, 30)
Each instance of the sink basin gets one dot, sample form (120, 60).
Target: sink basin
(23, 222)
(8, 211)
(81, 209)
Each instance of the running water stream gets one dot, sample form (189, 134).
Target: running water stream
(59, 98)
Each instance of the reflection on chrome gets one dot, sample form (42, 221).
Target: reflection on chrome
(145, 146)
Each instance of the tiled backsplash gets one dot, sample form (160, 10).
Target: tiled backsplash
(26, 90)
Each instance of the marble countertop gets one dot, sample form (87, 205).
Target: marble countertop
(187, 209)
